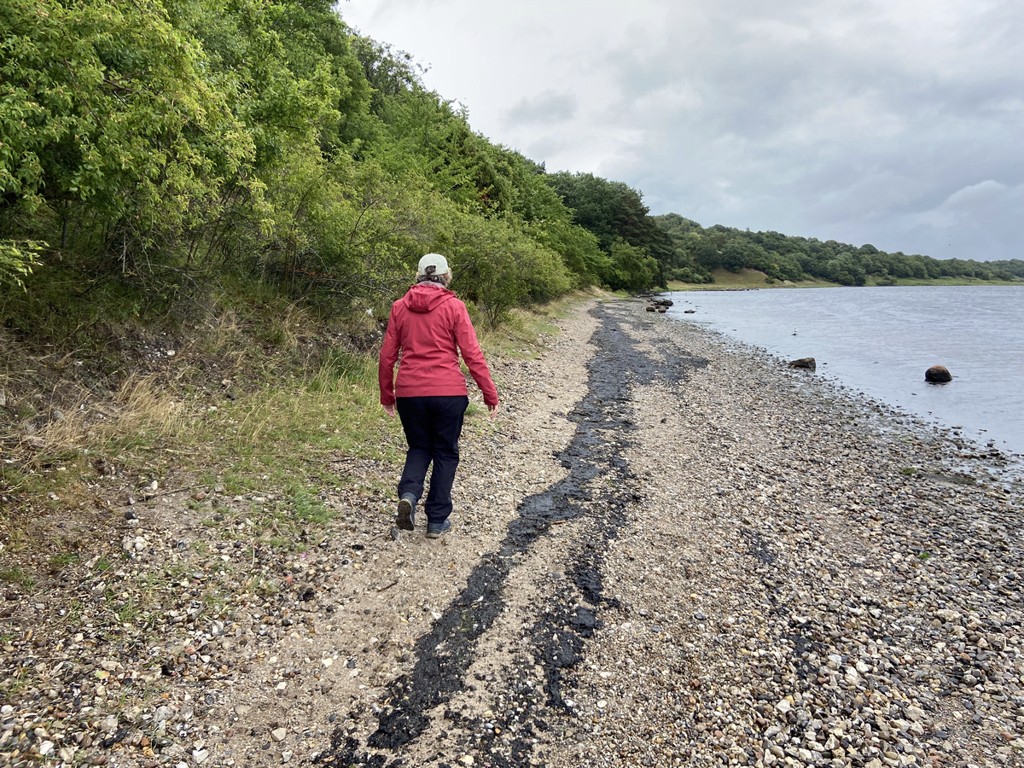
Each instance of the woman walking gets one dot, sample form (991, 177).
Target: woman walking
(427, 329)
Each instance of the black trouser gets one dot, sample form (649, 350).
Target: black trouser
(432, 427)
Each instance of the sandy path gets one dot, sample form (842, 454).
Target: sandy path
(735, 564)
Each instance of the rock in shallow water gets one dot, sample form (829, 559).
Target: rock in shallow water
(938, 374)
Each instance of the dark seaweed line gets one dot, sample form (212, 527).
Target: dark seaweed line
(558, 636)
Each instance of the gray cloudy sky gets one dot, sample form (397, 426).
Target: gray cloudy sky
(893, 122)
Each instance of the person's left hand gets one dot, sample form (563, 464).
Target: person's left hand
(390, 410)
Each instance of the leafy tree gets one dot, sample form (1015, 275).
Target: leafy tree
(631, 268)
(577, 248)
(17, 259)
(497, 267)
(183, 141)
(610, 209)
(110, 127)
(785, 257)
(614, 213)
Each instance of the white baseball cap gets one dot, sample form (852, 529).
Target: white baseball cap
(432, 264)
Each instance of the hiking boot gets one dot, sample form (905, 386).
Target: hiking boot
(406, 512)
(434, 530)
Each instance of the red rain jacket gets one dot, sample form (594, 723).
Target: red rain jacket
(429, 326)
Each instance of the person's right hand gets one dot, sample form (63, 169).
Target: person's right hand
(494, 411)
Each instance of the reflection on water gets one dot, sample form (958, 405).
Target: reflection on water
(880, 341)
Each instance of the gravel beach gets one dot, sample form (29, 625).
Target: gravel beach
(669, 550)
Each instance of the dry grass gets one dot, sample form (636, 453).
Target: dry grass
(254, 398)
(147, 406)
(142, 410)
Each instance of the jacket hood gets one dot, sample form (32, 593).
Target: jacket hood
(424, 298)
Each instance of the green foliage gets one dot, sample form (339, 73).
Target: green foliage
(631, 268)
(17, 577)
(168, 143)
(496, 266)
(617, 217)
(110, 129)
(196, 136)
(697, 251)
(17, 260)
(577, 247)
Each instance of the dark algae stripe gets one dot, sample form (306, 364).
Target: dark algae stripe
(571, 613)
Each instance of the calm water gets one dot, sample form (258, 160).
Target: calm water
(880, 341)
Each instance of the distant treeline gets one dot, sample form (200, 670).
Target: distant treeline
(163, 145)
(697, 251)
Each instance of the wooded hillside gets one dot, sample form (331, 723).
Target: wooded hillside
(154, 148)
(697, 251)
(163, 144)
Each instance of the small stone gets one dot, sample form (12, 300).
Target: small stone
(279, 734)
(134, 544)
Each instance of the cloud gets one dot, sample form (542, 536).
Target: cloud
(877, 121)
(546, 107)
(967, 202)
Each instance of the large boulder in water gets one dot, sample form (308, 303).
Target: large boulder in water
(807, 363)
(938, 374)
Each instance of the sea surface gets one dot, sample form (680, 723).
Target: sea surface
(880, 341)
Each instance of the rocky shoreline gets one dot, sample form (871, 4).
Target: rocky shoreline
(668, 551)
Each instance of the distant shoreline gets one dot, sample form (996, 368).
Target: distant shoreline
(749, 279)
